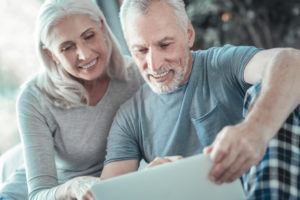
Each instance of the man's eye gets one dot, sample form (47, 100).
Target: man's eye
(163, 46)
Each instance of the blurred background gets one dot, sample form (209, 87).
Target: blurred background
(17, 61)
(263, 23)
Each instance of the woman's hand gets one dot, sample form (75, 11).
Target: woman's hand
(76, 188)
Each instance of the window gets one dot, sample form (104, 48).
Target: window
(17, 61)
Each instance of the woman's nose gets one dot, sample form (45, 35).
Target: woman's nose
(83, 52)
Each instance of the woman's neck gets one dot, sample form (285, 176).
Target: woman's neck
(96, 89)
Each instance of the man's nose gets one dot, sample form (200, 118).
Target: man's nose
(154, 60)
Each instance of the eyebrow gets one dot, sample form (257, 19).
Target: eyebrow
(165, 39)
(81, 35)
(64, 44)
(87, 30)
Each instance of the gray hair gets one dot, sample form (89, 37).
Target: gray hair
(141, 7)
(63, 89)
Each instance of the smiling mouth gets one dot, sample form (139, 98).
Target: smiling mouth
(89, 65)
(161, 77)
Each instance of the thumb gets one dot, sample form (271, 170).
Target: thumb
(207, 150)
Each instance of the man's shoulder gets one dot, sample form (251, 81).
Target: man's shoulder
(220, 49)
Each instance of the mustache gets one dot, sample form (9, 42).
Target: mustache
(161, 70)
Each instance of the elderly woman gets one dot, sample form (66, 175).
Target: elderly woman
(65, 112)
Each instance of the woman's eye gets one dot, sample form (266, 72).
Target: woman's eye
(90, 36)
(142, 51)
(67, 48)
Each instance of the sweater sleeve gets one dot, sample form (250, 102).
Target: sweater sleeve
(37, 144)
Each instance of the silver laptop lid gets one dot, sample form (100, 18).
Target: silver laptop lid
(185, 179)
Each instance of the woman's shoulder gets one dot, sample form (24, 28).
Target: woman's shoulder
(30, 92)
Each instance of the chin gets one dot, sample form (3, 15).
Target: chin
(162, 89)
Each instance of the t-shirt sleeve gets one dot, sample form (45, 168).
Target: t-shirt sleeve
(123, 142)
(234, 59)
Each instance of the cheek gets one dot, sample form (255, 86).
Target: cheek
(67, 62)
(68, 58)
(140, 62)
(182, 56)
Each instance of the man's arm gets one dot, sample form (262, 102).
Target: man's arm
(238, 147)
(125, 166)
(118, 168)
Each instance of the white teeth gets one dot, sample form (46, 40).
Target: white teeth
(89, 65)
(160, 75)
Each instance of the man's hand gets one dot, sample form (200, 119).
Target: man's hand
(234, 151)
(162, 160)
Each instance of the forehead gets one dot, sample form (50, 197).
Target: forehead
(70, 28)
(157, 23)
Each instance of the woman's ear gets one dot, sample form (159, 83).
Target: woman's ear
(51, 55)
(191, 34)
(102, 24)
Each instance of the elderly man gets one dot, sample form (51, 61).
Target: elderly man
(192, 101)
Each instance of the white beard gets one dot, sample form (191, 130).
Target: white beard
(163, 88)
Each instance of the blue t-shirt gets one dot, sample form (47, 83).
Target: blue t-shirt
(186, 120)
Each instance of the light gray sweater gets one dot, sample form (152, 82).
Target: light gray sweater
(60, 144)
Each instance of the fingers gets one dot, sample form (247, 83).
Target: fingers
(245, 167)
(223, 163)
(233, 152)
(174, 158)
(158, 161)
(81, 186)
(88, 196)
(232, 170)
(224, 152)
(207, 150)
(162, 160)
(220, 147)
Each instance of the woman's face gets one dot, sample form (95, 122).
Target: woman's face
(78, 44)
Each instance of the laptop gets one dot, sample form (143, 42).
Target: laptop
(186, 179)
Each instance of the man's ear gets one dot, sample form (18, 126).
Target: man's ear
(191, 34)
(51, 55)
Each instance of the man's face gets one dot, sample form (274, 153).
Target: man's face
(160, 47)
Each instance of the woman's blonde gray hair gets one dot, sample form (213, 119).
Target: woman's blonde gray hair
(63, 89)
